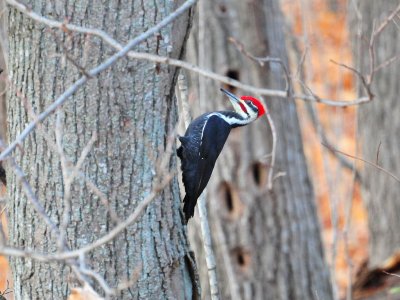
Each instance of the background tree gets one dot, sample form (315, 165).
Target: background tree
(378, 122)
(131, 109)
(267, 242)
(3, 50)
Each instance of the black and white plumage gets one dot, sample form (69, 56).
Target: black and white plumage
(203, 142)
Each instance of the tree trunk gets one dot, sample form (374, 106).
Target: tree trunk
(132, 108)
(3, 55)
(379, 127)
(267, 243)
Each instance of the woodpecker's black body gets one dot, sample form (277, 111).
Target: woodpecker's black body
(201, 146)
(203, 141)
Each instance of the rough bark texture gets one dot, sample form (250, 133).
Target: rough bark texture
(379, 124)
(132, 108)
(267, 243)
(3, 55)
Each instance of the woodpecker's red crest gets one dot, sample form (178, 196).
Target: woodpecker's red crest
(256, 102)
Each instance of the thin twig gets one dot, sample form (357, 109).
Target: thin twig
(123, 225)
(271, 123)
(228, 264)
(202, 208)
(391, 274)
(387, 21)
(387, 62)
(365, 161)
(85, 152)
(81, 69)
(208, 248)
(31, 196)
(99, 279)
(301, 62)
(67, 181)
(103, 198)
(3, 238)
(262, 60)
(366, 83)
(377, 30)
(129, 282)
(378, 152)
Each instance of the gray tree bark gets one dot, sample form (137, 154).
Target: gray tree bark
(379, 127)
(3, 55)
(267, 243)
(132, 108)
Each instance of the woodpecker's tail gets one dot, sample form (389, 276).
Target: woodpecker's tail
(188, 207)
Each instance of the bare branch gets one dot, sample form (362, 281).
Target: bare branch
(365, 161)
(301, 62)
(93, 72)
(69, 57)
(95, 190)
(82, 157)
(99, 279)
(386, 21)
(387, 62)
(371, 47)
(208, 249)
(201, 205)
(274, 143)
(3, 238)
(209, 74)
(27, 253)
(129, 282)
(123, 225)
(391, 274)
(32, 197)
(173, 62)
(99, 242)
(378, 151)
(262, 60)
(366, 84)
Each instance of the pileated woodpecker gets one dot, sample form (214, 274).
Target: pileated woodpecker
(203, 141)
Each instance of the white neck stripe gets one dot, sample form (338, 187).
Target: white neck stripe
(235, 121)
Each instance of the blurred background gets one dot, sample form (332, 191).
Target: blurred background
(321, 29)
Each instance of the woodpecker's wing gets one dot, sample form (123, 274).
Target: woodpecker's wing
(216, 132)
(214, 136)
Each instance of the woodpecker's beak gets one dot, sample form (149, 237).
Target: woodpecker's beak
(234, 100)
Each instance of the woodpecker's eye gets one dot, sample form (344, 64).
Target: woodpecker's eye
(251, 105)
(255, 102)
